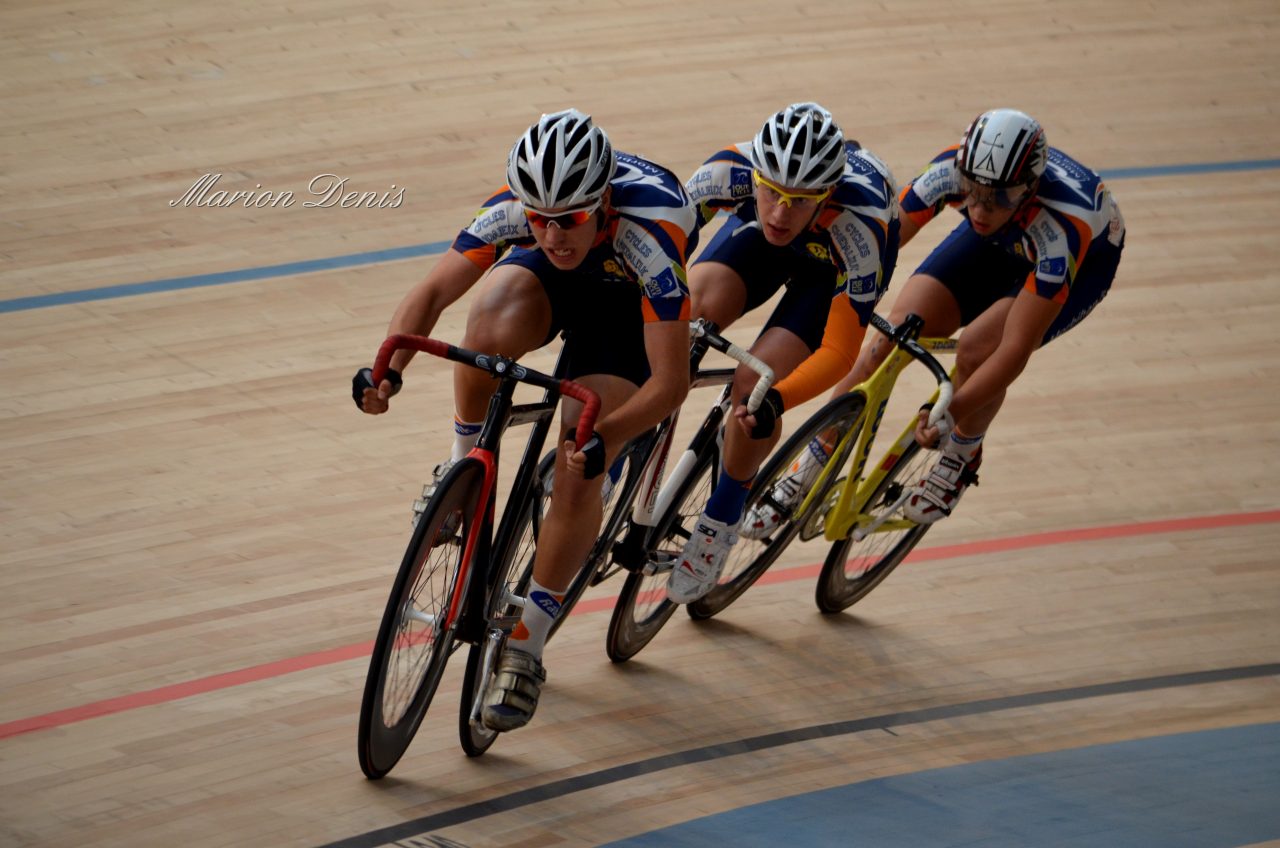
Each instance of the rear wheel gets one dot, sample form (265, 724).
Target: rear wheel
(642, 607)
(852, 569)
(416, 637)
(751, 557)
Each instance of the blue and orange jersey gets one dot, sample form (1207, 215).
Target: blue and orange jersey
(1071, 210)
(856, 229)
(646, 234)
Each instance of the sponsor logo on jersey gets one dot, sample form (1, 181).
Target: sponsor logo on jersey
(494, 217)
(663, 284)
(740, 183)
(862, 289)
(818, 250)
(851, 240)
(1053, 268)
(641, 246)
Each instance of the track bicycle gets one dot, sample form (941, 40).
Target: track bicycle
(461, 582)
(387, 728)
(860, 509)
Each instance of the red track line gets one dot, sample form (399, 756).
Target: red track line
(269, 670)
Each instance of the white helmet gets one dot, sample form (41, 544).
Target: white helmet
(1003, 148)
(800, 147)
(561, 162)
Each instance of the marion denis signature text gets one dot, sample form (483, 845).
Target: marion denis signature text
(324, 191)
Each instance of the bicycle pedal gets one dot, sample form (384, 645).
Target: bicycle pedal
(659, 563)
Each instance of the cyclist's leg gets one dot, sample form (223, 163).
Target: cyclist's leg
(511, 315)
(609, 358)
(793, 332)
(718, 293)
(568, 531)
(984, 333)
(736, 272)
(930, 292)
(984, 280)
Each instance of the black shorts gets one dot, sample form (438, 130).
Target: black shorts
(978, 273)
(598, 311)
(765, 268)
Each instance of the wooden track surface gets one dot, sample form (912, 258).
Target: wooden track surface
(199, 531)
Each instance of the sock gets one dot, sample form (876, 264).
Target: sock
(812, 459)
(726, 502)
(536, 619)
(611, 478)
(465, 436)
(964, 447)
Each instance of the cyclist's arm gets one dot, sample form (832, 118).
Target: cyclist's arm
(840, 343)
(667, 348)
(476, 248)
(907, 229)
(722, 183)
(920, 200)
(421, 307)
(1024, 328)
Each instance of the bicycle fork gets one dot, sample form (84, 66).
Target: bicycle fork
(500, 629)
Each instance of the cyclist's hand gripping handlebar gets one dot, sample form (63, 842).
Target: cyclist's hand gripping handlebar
(699, 330)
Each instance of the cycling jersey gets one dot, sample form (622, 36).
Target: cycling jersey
(1071, 211)
(646, 235)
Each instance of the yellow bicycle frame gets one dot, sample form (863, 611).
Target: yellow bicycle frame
(856, 491)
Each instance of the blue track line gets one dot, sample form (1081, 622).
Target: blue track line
(375, 257)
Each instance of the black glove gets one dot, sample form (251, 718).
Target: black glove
(767, 415)
(364, 380)
(594, 449)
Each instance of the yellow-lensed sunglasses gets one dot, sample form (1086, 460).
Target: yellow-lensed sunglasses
(788, 198)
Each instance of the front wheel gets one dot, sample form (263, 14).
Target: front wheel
(779, 492)
(853, 569)
(515, 570)
(642, 607)
(416, 636)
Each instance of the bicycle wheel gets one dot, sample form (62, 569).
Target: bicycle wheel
(750, 558)
(852, 569)
(515, 569)
(642, 607)
(415, 640)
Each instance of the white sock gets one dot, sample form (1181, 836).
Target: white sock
(964, 447)
(465, 436)
(536, 619)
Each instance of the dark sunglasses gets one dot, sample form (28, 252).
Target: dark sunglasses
(563, 220)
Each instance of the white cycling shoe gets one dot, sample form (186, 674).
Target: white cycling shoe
(701, 561)
(938, 493)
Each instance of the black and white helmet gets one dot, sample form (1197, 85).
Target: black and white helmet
(800, 147)
(1003, 148)
(561, 162)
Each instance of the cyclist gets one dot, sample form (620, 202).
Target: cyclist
(815, 213)
(593, 243)
(1036, 252)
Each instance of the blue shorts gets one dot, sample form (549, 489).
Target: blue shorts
(598, 311)
(978, 273)
(765, 268)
